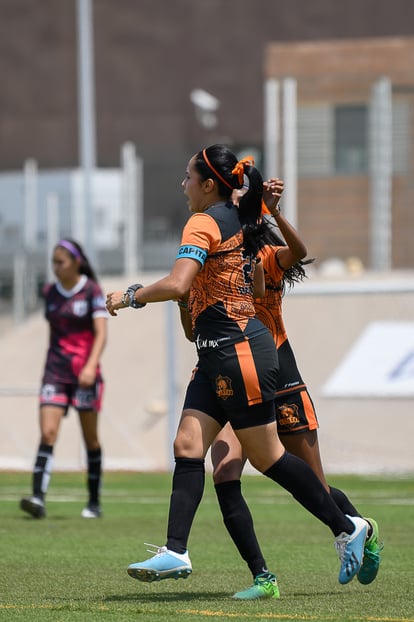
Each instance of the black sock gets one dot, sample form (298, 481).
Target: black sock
(94, 475)
(297, 477)
(346, 506)
(343, 502)
(187, 491)
(239, 524)
(42, 470)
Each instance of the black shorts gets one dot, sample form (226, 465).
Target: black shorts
(237, 383)
(244, 373)
(295, 411)
(65, 395)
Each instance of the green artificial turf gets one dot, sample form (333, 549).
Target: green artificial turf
(65, 568)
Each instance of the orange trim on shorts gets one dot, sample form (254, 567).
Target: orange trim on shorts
(248, 372)
(309, 411)
(296, 389)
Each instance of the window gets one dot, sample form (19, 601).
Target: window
(351, 140)
(334, 139)
(315, 140)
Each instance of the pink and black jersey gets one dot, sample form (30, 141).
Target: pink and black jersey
(70, 314)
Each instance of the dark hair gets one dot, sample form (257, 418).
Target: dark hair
(250, 209)
(84, 266)
(294, 274)
(218, 165)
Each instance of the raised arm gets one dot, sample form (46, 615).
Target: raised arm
(295, 248)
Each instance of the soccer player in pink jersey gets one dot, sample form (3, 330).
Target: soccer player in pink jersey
(77, 317)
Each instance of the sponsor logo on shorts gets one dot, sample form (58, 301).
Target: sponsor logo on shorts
(223, 387)
(48, 391)
(85, 397)
(288, 414)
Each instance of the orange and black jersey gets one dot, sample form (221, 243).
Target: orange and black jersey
(221, 295)
(269, 308)
(295, 411)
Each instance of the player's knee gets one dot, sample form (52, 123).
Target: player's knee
(48, 437)
(186, 446)
(181, 445)
(92, 444)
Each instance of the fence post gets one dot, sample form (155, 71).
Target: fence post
(132, 181)
(290, 150)
(30, 176)
(19, 280)
(52, 214)
(381, 174)
(271, 128)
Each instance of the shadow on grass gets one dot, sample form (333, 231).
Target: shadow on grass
(324, 594)
(46, 520)
(166, 596)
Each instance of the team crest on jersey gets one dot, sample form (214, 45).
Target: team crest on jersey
(223, 387)
(80, 307)
(288, 414)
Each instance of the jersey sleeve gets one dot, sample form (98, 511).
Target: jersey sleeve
(268, 255)
(98, 302)
(201, 237)
(46, 289)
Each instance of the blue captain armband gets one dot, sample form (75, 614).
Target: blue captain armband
(192, 252)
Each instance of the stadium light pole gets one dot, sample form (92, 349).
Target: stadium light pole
(86, 113)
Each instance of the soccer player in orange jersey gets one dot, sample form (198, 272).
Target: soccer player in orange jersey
(282, 262)
(237, 372)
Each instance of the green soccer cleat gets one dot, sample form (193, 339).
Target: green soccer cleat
(264, 586)
(372, 555)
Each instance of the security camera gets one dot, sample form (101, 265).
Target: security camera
(204, 100)
(205, 106)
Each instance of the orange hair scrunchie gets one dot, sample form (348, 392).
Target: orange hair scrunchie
(239, 168)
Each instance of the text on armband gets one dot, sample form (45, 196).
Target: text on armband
(193, 252)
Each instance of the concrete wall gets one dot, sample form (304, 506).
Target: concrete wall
(362, 436)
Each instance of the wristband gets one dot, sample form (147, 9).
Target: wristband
(125, 299)
(130, 292)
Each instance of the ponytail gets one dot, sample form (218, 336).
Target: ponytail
(221, 164)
